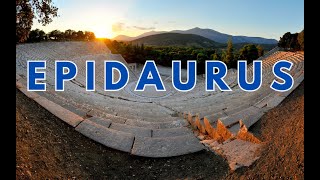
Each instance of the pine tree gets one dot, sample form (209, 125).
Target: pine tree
(215, 56)
(229, 58)
(260, 51)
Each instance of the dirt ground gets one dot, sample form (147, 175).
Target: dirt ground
(47, 148)
(283, 130)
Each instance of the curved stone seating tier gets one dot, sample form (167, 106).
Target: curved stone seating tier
(149, 123)
(265, 99)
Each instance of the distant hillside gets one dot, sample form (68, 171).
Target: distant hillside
(223, 38)
(124, 38)
(253, 40)
(207, 33)
(128, 38)
(177, 39)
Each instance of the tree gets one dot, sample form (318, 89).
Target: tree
(201, 57)
(80, 35)
(260, 51)
(284, 40)
(89, 36)
(289, 41)
(36, 36)
(215, 56)
(301, 40)
(248, 52)
(229, 53)
(142, 47)
(55, 35)
(42, 35)
(228, 56)
(27, 10)
(294, 44)
(68, 34)
(223, 55)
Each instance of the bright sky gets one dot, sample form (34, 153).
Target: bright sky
(109, 18)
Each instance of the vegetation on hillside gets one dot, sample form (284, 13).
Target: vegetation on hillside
(189, 40)
(177, 39)
(292, 42)
(163, 55)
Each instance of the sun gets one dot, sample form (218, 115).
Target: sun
(103, 33)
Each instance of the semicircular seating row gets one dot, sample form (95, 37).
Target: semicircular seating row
(140, 125)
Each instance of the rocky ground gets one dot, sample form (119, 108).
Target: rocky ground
(47, 148)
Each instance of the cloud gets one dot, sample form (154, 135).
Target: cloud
(144, 28)
(117, 27)
(172, 22)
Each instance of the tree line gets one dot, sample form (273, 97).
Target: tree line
(292, 42)
(134, 53)
(38, 35)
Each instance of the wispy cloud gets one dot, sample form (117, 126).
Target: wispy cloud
(172, 22)
(117, 27)
(144, 28)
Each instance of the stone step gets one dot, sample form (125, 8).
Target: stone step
(144, 124)
(234, 129)
(275, 101)
(159, 118)
(251, 119)
(103, 122)
(157, 125)
(230, 120)
(213, 118)
(136, 131)
(64, 104)
(227, 108)
(166, 147)
(234, 109)
(109, 137)
(102, 114)
(156, 133)
(119, 119)
(62, 113)
(263, 102)
(29, 94)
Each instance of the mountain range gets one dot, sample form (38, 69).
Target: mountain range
(177, 39)
(207, 33)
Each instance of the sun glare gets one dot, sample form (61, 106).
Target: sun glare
(103, 33)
